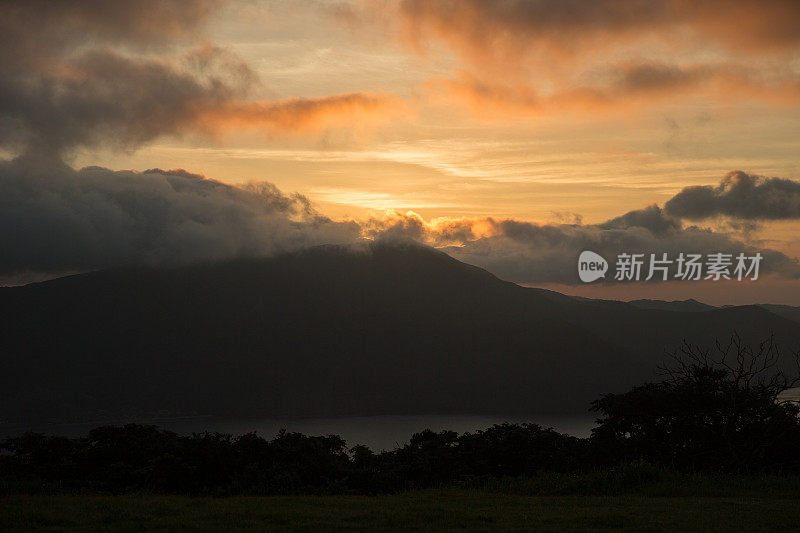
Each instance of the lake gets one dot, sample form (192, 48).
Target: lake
(377, 432)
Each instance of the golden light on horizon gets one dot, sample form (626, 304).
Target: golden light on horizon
(452, 114)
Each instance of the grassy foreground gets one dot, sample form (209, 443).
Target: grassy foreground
(417, 510)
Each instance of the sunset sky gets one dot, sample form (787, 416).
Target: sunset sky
(511, 134)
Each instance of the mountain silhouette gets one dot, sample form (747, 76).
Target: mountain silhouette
(692, 306)
(330, 331)
(689, 306)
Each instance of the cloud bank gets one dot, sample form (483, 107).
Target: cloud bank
(56, 219)
(526, 252)
(89, 73)
(480, 30)
(740, 195)
(121, 74)
(601, 56)
(533, 253)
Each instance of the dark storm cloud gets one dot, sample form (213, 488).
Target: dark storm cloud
(56, 219)
(651, 218)
(91, 73)
(739, 195)
(120, 74)
(85, 72)
(36, 33)
(106, 98)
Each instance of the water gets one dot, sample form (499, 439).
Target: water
(377, 432)
(790, 395)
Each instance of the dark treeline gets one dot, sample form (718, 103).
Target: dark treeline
(714, 412)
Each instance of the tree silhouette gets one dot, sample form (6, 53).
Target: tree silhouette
(716, 409)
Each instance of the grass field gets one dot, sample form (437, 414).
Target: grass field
(418, 510)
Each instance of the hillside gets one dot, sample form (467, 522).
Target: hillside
(388, 329)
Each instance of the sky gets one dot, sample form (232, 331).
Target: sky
(510, 134)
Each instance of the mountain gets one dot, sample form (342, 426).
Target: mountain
(687, 306)
(787, 311)
(329, 331)
(693, 306)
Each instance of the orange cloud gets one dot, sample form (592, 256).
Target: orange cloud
(632, 87)
(482, 31)
(442, 231)
(305, 114)
(537, 57)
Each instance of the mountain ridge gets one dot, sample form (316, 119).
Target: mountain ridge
(329, 331)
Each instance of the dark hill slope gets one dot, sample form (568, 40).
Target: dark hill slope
(324, 332)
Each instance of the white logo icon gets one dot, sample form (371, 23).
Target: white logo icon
(591, 266)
